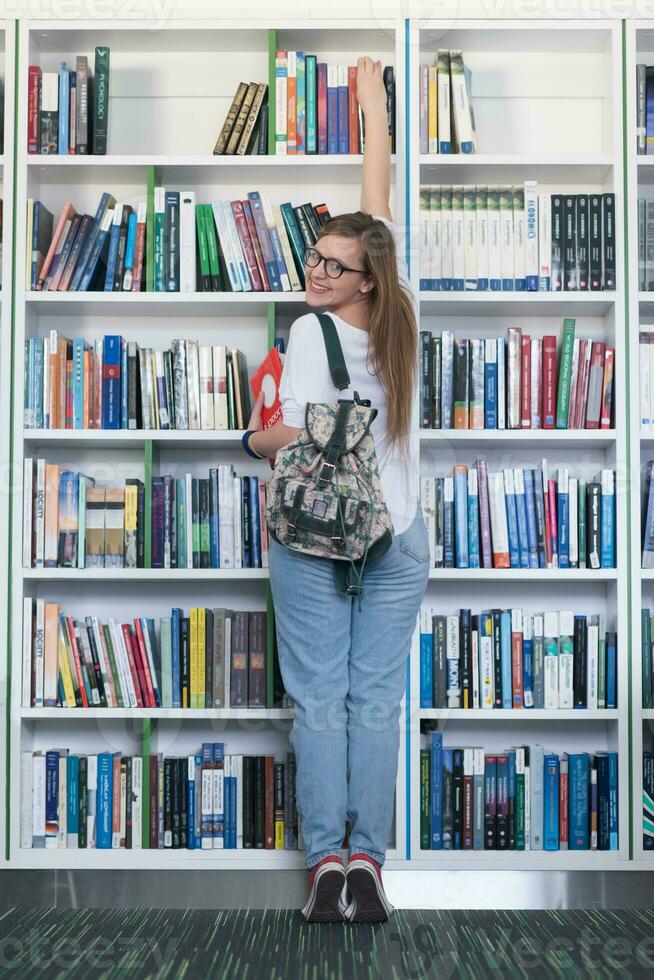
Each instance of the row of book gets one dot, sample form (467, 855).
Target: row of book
(248, 245)
(68, 110)
(524, 799)
(113, 383)
(510, 237)
(647, 656)
(648, 801)
(509, 658)
(647, 515)
(245, 129)
(210, 658)
(210, 522)
(646, 377)
(446, 117)
(519, 518)
(316, 106)
(206, 800)
(515, 382)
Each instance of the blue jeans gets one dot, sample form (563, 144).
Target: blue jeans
(344, 668)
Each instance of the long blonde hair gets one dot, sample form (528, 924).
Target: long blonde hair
(393, 347)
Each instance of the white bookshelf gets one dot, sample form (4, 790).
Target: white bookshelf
(547, 99)
(7, 61)
(169, 94)
(640, 175)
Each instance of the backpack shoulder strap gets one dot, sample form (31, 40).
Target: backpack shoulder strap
(334, 350)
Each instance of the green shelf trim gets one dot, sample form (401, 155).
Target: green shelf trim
(272, 325)
(272, 48)
(149, 230)
(14, 382)
(625, 368)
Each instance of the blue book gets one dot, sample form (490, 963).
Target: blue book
(37, 368)
(579, 801)
(474, 558)
(343, 125)
(232, 803)
(111, 359)
(219, 814)
(51, 798)
(332, 109)
(280, 261)
(255, 529)
(176, 615)
(613, 801)
(551, 803)
(448, 522)
(436, 785)
(607, 520)
(112, 251)
(530, 503)
(214, 550)
(79, 347)
(72, 801)
(521, 512)
(300, 101)
(85, 255)
(227, 793)
(426, 660)
(461, 516)
(191, 843)
(64, 108)
(68, 519)
(310, 62)
(490, 384)
(563, 521)
(528, 663)
(41, 238)
(511, 519)
(29, 393)
(611, 670)
(601, 765)
(103, 808)
(124, 386)
(505, 652)
(265, 241)
(98, 253)
(130, 246)
(180, 496)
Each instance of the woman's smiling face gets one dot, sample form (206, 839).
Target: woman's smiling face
(321, 289)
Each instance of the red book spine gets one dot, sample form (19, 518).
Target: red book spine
(516, 670)
(145, 664)
(468, 818)
(246, 243)
(525, 382)
(549, 382)
(115, 799)
(154, 803)
(321, 107)
(607, 388)
(563, 810)
(33, 107)
(132, 664)
(269, 802)
(139, 252)
(484, 515)
(353, 109)
(78, 666)
(582, 386)
(256, 244)
(554, 546)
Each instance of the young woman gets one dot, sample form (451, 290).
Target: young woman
(343, 662)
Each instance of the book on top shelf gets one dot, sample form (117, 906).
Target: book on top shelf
(446, 116)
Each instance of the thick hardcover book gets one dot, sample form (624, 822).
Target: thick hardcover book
(583, 242)
(557, 242)
(595, 241)
(570, 278)
(101, 101)
(608, 242)
(49, 115)
(490, 803)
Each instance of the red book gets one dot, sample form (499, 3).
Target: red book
(516, 659)
(153, 835)
(525, 382)
(321, 106)
(132, 665)
(33, 108)
(139, 254)
(143, 653)
(70, 629)
(549, 382)
(269, 802)
(268, 377)
(582, 385)
(246, 242)
(353, 108)
(607, 388)
(63, 225)
(256, 245)
(563, 806)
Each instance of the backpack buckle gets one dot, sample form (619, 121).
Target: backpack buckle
(339, 542)
(354, 590)
(324, 479)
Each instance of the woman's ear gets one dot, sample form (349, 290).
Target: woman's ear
(367, 285)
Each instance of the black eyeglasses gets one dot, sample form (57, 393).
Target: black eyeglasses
(333, 267)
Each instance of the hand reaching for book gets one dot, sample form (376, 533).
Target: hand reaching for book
(371, 92)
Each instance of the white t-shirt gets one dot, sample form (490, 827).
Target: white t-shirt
(306, 378)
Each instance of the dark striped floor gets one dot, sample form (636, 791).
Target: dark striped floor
(278, 945)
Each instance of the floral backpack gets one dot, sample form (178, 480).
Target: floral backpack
(325, 498)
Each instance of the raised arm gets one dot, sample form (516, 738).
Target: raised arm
(376, 179)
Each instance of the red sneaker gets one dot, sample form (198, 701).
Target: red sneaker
(366, 899)
(326, 885)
